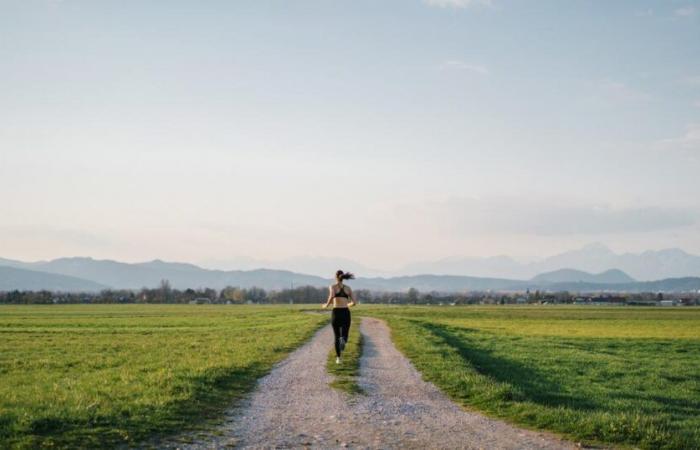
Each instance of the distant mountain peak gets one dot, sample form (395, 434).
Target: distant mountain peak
(612, 271)
(156, 262)
(74, 259)
(614, 276)
(611, 276)
(672, 252)
(160, 264)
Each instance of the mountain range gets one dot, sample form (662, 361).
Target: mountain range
(119, 275)
(87, 274)
(594, 258)
(612, 276)
(29, 280)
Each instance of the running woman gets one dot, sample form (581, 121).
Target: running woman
(343, 298)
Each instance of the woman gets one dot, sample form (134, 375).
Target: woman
(339, 294)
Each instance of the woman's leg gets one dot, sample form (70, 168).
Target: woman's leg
(337, 325)
(346, 327)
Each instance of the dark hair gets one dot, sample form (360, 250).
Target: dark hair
(340, 275)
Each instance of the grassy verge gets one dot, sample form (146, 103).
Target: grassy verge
(618, 376)
(347, 372)
(77, 376)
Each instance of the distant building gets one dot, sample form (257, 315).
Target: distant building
(606, 300)
(201, 301)
(667, 303)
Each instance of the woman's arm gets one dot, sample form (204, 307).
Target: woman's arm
(330, 297)
(353, 299)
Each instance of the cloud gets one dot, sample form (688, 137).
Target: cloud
(685, 11)
(696, 103)
(461, 65)
(690, 140)
(525, 216)
(458, 4)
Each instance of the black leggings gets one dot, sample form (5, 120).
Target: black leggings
(340, 319)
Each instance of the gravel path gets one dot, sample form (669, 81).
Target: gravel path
(294, 407)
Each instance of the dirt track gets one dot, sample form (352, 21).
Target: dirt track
(294, 407)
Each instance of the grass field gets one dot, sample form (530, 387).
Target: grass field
(628, 376)
(102, 375)
(346, 374)
(97, 376)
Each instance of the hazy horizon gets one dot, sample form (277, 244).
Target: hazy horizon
(593, 258)
(385, 133)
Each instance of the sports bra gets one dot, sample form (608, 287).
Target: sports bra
(341, 293)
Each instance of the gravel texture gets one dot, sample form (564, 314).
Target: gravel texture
(293, 407)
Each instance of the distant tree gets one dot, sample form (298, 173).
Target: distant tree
(233, 294)
(412, 295)
(165, 292)
(256, 294)
(210, 293)
(363, 295)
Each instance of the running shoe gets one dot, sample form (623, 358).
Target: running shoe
(337, 359)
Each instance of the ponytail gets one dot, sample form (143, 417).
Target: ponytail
(340, 275)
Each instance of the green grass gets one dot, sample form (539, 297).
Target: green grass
(347, 372)
(107, 375)
(101, 376)
(626, 376)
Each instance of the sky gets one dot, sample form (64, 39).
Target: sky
(384, 132)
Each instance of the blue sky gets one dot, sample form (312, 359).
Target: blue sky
(385, 132)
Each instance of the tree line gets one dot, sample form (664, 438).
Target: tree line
(164, 293)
